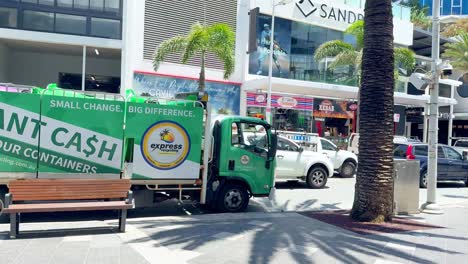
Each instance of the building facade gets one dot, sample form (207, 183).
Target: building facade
(448, 7)
(110, 46)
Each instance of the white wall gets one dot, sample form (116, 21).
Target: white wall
(40, 69)
(3, 63)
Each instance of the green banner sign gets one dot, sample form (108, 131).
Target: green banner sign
(167, 140)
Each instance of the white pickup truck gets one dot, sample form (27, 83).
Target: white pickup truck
(344, 162)
(461, 145)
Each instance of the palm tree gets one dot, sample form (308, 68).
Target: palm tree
(345, 54)
(458, 52)
(374, 182)
(218, 39)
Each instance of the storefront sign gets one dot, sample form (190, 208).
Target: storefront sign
(287, 102)
(322, 10)
(280, 101)
(332, 109)
(224, 98)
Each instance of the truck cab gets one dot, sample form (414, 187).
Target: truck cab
(242, 162)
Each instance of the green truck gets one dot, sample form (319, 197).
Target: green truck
(167, 148)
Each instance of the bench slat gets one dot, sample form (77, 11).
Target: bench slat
(68, 189)
(66, 207)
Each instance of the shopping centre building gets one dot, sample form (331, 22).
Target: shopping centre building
(107, 45)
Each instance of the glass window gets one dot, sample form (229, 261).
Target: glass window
(420, 150)
(70, 24)
(453, 154)
(112, 5)
(101, 27)
(461, 143)
(250, 137)
(8, 17)
(96, 4)
(287, 145)
(83, 4)
(47, 2)
(327, 145)
(440, 153)
(400, 151)
(38, 20)
(65, 3)
(29, 1)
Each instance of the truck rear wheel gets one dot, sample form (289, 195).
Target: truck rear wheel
(348, 169)
(317, 178)
(233, 198)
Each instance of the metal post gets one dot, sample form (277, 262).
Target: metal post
(83, 70)
(270, 64)
(450, 128)
(431, 206)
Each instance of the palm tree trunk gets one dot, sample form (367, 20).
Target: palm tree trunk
(373, 199)
(201, 81)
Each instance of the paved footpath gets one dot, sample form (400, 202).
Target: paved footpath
(236, 238)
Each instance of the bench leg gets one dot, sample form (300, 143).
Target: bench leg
(14, 225)
(122, 220)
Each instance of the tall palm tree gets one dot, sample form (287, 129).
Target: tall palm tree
(345, 54)
(458, 52)
(217, 39)
(374, 182)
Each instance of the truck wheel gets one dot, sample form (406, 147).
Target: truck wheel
(317, 178)
(233, 198)
(423, 180)
(348, 169)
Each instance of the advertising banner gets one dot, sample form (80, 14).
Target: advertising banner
(224, 98)
(259, 60)
(281, 101)
(19, 132)
(80, 136)
(333, 109)
(167, 140)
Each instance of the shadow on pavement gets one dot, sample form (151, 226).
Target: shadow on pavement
(279, 234)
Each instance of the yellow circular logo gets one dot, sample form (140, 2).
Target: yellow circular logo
(165, 145)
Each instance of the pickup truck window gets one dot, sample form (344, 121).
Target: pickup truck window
(452, 154)
(327, 145)
(286, 145)
(462, 144)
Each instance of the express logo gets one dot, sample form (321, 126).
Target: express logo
(165, 145)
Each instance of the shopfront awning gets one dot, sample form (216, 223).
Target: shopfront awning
(332, 91)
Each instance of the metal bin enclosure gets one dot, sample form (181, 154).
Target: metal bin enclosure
(406, 187)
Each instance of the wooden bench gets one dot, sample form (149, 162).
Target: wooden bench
(66, 195)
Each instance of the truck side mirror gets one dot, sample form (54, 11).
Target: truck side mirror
(301, 149)
(274, 147)
(465, 155)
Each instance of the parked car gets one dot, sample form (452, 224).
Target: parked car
(344, 162)
(353, 143)
(293, 162)
(461, 145)
(451, 165)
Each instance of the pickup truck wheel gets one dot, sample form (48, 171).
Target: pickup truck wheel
(317, 178)
(233, 198)
(348, 169)
(423, 180)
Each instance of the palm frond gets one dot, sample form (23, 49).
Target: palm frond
(357, 30)
(172, 45)
(405, 58)
(331, 49)
(197, 40)
(458, 52)
(345, 58)
(222, 43)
